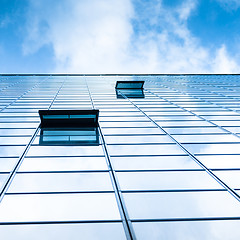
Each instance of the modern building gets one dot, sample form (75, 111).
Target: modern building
(163, 163)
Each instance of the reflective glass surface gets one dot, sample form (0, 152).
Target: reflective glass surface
(166, 180)
(60, 207)
(63, 164)
(89, 231)
(166, 205)
(6, 164)
(197, 230)
(163, 162)
(154, 163)
(65, 151)
(60, 182)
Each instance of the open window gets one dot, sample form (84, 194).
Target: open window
(69, 127)
(69, 118)
(129, 84)
(130, 89)
(69, 137)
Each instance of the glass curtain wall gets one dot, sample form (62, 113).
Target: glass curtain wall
(164, 163)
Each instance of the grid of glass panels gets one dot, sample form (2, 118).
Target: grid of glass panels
(166, 164)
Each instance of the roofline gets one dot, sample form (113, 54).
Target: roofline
(114, 74)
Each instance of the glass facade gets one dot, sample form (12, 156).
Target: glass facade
(164, 162)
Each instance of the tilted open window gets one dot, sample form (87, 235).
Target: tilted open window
(69, 127)
(69, 136)
(129, 84)
(69, 118)
(130, 89)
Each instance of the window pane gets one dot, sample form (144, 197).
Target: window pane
(138, 139)
(3, 178)
(11, 151)
(190, 130)
(213, 148)
(59, 207)
(7, 164)
(166, 149)
(181, 205)
(220, 161)
(14, 140)
(122, 131)
(154, 163)
(167, 180)
(60, 182)
(65, 151)
(231, 177)
(88, 231)
(197, 230)
(206, 138)
(63, 164)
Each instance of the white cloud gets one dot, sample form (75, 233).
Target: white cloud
(223, 63)
(112, 36)
(229, 5)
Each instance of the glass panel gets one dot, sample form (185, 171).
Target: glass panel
(19, 125)
(233, 129)
(181, 205)
(55, 116)
(206, 138)
(183, 123)
(16, 132)
(231, 178)
(79, 137)
(126, 124)
(213, 148)
(60, 182)
(220, 161)
(166, 180)
(122, 131)
(11, 151)
(197, 230)
(190, 130)
(165, 149)
(154, 162)
(59, 207)
(65, 151)
(138, 139)
(3, 178)
(129, 84)
(82, 116)
(87, 231)
(227, 123)
(7, 164)
(167, 118)
(14, 140)
(63, 164)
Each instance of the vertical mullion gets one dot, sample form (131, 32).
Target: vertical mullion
(119, 198)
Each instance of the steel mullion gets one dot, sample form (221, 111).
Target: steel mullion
(119, 198)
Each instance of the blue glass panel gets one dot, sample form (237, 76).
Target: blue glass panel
(197, 230)
(63, 164)
(181, 205)
(59, 207)
(87, 231)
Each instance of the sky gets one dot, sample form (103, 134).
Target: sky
(119, 36)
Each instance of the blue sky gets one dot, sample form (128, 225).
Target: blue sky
(112, 36)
